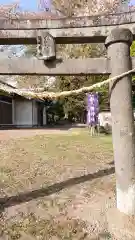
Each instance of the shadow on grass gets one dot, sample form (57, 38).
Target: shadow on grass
(57, 187)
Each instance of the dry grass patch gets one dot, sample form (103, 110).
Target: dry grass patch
(56, 187)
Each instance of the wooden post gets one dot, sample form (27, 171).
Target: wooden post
(118, 46)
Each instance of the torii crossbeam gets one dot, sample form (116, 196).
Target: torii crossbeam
(92, 29)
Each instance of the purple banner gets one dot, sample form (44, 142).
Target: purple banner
(92, 108)
(45, 5)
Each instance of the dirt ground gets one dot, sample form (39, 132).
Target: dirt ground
(55, 186)
(21, 133)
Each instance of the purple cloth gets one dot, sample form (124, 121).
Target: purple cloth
(92, 108)
(45, 5)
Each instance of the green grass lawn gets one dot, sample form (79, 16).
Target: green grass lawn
(47, 183)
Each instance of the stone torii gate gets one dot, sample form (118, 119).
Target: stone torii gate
(118, 32)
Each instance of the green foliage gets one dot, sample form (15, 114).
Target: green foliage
(55, 111)
(132, 53)
(74, 107)
(132, 49)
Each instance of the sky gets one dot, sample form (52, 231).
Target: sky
(25, 4)
(31, 5)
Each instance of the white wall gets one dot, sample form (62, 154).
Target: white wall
(25, 113)
(22, 112)
(105, 118)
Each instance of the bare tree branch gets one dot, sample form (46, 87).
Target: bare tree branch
(63, 7)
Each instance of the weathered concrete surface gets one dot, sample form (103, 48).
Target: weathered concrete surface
(74, 22)
(119, 35)
(65, 30)
(63, 36)
(118, 47)
(33, 66)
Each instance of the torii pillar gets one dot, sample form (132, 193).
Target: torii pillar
(118, 46)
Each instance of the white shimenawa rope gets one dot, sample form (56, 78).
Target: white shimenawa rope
(53, 95)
